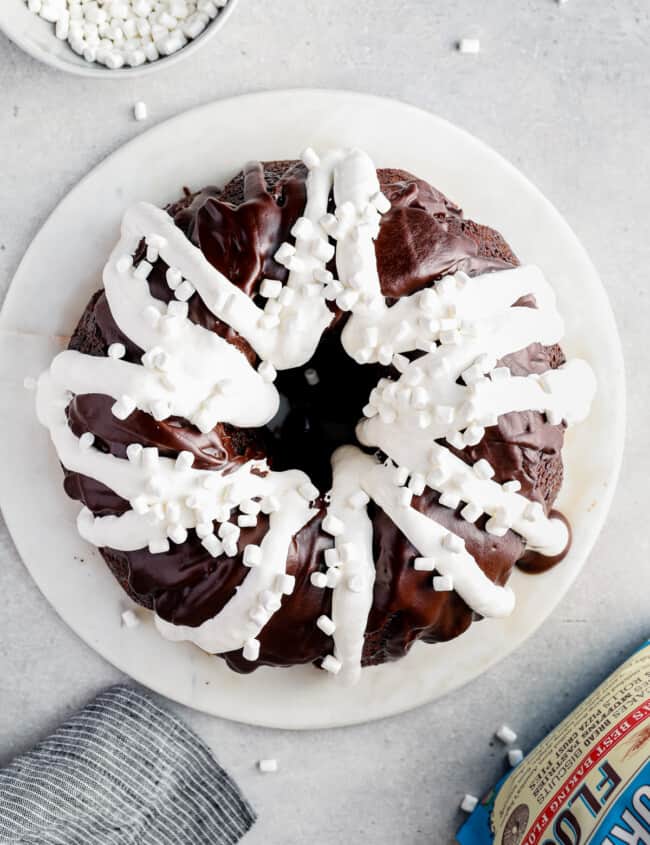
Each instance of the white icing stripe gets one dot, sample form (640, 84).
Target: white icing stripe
(353, 593)
(470, 582)
(461, 325)
(188, 370)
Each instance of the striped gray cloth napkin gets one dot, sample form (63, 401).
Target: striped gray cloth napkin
(121, 771)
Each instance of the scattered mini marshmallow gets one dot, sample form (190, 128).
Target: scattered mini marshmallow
(515, 756)
(506, 735)
(469, 45)
(443, 583)
(140, 111)
(130, 619)
(267, 766)
(469, 803)
(331, 664)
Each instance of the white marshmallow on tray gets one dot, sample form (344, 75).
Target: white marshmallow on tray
(119, 33)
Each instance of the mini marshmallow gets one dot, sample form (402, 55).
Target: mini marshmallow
(159, 546)
(247, 520)
(506, 735)
(124, 407)
(469, 45)
(443, 583)
(184, 291)
(483, 470)
(318, 579)
(142, 270)
(249, 506)
(285, 583)
(86, 440)
(310, 158)
(130, 619)
(326, 625)
(424, 564)
(332, 557)
(134, 451)
(473, 435)
(417, 484)
(347, 300)
(178, 534)
(268, 766)
(267, 371)
(271, 288)
(469, 803)
(449, 499)
(252, 555)
(184, 460)
(284, 253)
(251, 650)
(515, 756)
(140, 110)
(333, 577)
(471, 512)
(332, 525)
(173, 277)
(331, 664)
(380, 202)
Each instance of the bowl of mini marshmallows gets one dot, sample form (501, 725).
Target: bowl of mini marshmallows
(112, 38)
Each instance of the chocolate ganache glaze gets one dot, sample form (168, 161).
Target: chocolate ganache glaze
(239, 228)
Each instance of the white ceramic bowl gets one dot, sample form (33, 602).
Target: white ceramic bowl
(36, 37)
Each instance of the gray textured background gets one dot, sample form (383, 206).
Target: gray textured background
(563, 92)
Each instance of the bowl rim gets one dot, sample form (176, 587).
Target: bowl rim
(18, 35)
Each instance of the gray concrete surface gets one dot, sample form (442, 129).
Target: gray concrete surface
(564, 93)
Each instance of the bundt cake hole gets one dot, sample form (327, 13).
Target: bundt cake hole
(317, 415)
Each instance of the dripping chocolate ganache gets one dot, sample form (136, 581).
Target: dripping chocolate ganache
(316, 415)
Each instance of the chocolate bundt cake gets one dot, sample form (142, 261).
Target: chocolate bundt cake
(316, 415)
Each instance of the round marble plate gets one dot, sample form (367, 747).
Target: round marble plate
(62, 268)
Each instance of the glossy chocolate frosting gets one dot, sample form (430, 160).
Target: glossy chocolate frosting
(239, 228)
